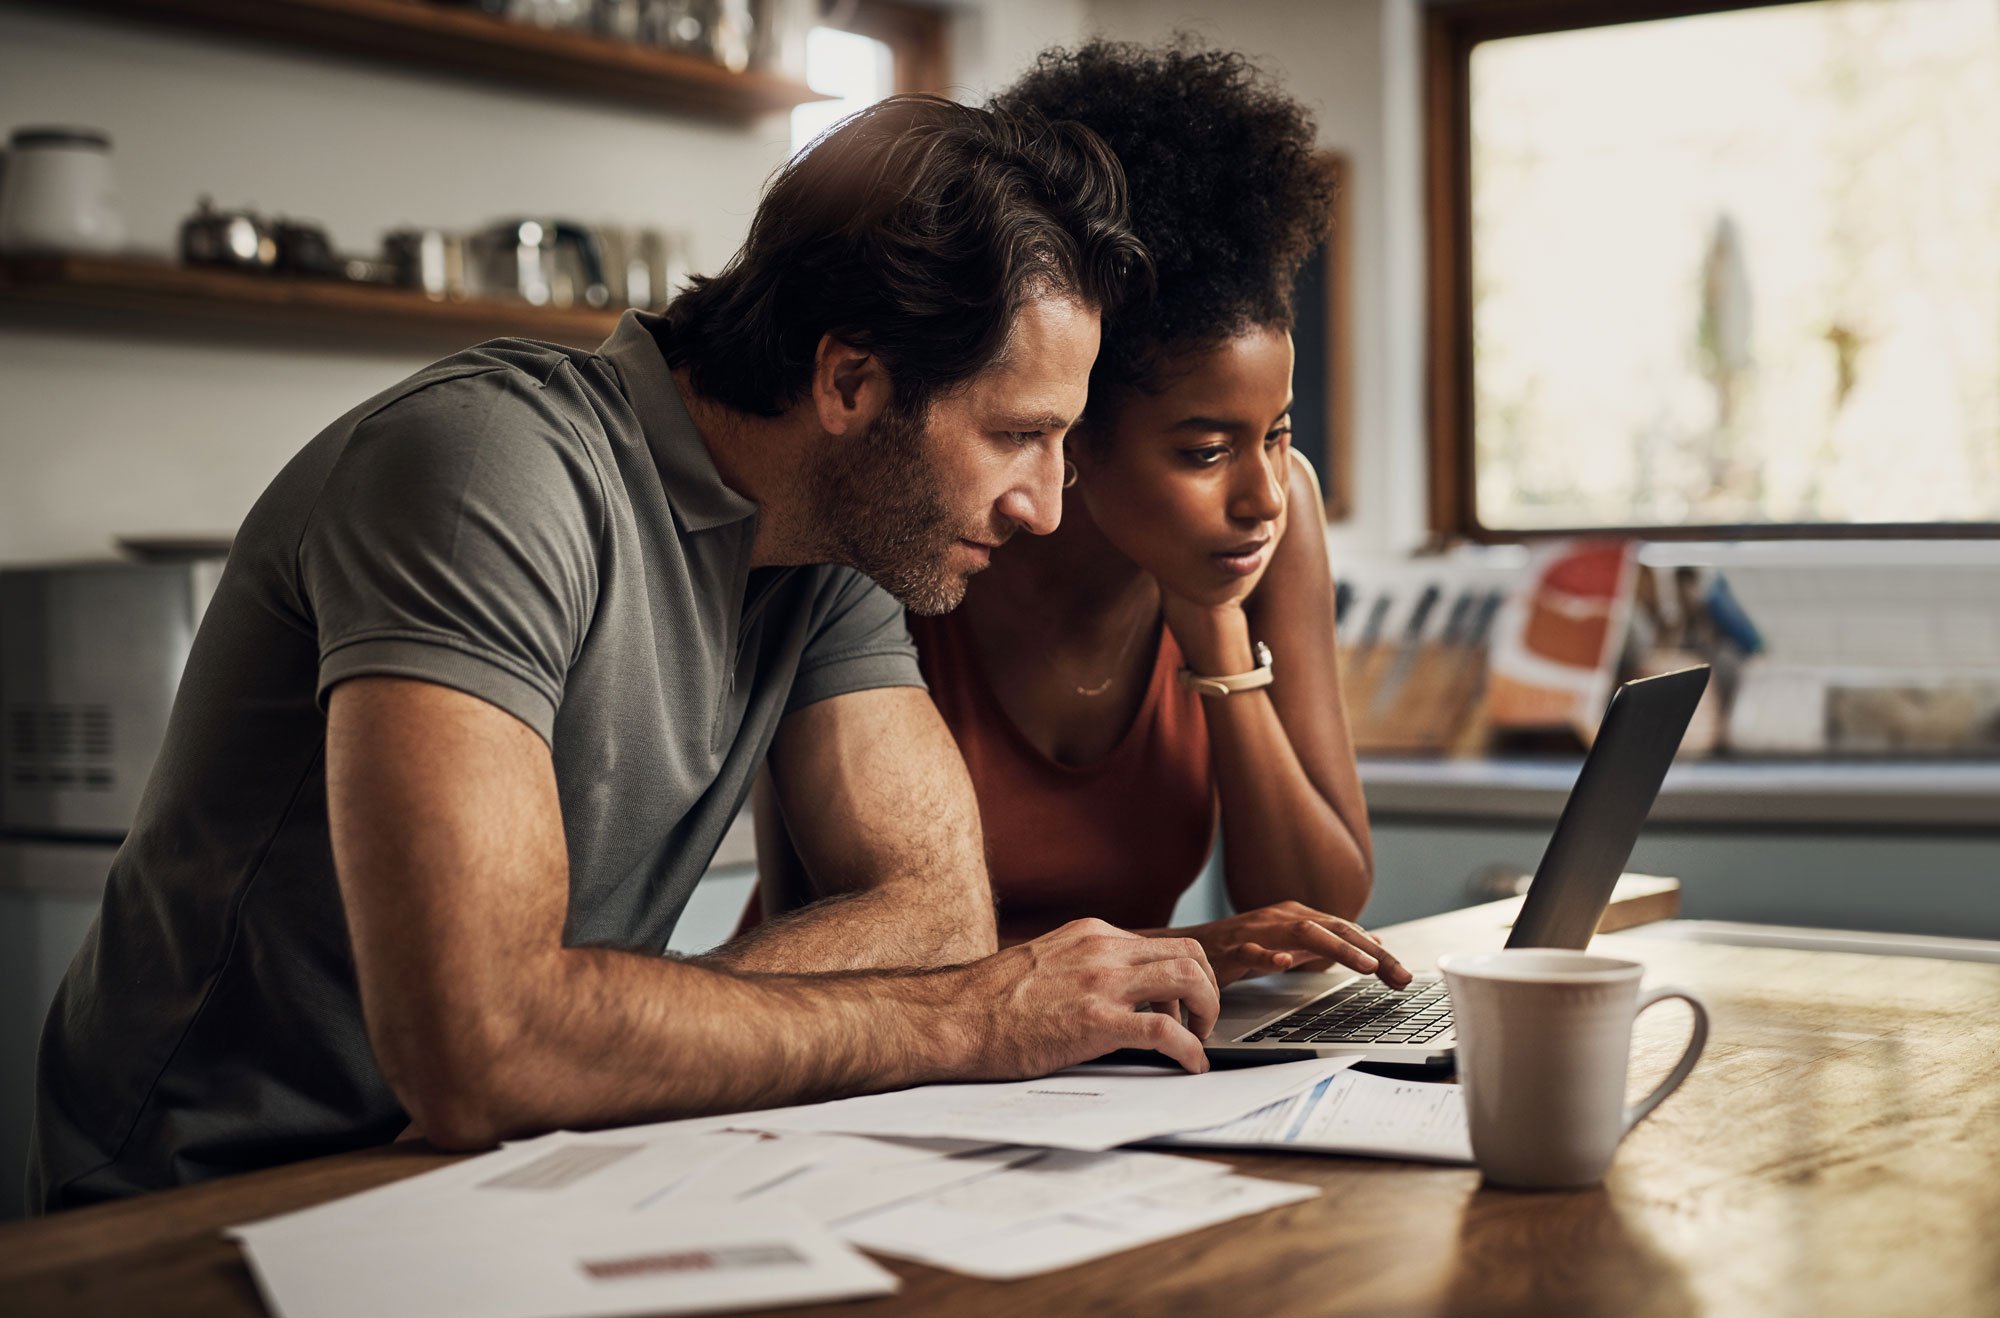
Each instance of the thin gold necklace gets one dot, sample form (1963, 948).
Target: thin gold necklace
(1118, 664)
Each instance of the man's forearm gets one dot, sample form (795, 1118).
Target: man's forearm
(868, 813)
(893, 925)
(609, 1038)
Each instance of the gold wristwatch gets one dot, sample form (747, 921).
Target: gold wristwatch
(1259, 676)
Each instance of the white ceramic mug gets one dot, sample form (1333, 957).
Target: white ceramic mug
(1544, 1037)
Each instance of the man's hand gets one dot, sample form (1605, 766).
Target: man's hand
(1074, 995)
(1289, 936)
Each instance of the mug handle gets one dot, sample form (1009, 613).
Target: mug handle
(1699, 1039)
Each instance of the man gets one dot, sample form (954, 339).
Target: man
(495, 659)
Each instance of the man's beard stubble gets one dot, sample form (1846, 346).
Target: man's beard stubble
(885, 512)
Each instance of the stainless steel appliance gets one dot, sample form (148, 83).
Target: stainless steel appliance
(90, 658)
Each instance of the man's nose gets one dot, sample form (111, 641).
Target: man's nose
(1259, 491)
(1034, 501)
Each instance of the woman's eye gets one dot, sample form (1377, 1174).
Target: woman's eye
(1277, 437)
(1208, 456)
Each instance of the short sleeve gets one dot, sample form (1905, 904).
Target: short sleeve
(859, 642)
(455, 542)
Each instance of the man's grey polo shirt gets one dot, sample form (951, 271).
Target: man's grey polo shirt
(540, 527)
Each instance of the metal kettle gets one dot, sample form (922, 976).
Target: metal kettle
(542, 262)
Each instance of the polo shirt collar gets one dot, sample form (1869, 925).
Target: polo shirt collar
(695, 489)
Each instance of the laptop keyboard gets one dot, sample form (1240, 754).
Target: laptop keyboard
(1368, 1012)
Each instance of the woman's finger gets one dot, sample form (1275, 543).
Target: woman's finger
(1391, 970)
(1381, 962)
(1260, 960)
(1316, 938)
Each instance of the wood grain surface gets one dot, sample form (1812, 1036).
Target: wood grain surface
(1836, 1152)
(134, 293)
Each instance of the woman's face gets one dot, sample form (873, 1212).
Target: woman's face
(1190, 483)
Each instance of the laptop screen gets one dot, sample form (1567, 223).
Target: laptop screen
(1614, 792)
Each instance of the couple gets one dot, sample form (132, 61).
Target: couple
(498, 657)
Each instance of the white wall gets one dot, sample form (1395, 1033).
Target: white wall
(103, 434)
(993, 42)
(1356, 64)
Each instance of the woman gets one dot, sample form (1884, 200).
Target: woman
(1189, 541)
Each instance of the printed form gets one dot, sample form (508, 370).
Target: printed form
(1353, 1113)
(1087, 1108)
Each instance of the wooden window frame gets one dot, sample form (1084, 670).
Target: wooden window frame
(914, 34)
(1336, 363)
(1451, 29)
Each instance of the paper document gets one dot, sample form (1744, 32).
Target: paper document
(1051, 1182)
(1109, 1226)
(1089, 1108)
(566, 1264)
(557, 1173)
(1353, 1113)
(833, 1190)
(824, 1178)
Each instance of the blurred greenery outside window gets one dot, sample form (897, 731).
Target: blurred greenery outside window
(1738, 268)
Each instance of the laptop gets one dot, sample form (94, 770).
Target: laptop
(1600, 823)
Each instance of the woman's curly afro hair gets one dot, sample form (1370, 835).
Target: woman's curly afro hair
(1226, 191)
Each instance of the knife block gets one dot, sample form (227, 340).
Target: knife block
(1433, 708)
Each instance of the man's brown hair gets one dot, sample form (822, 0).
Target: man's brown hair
(914, 230)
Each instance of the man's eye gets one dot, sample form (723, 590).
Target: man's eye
(1024, 437)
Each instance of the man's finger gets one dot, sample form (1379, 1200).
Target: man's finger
(1162, 1034)
(1168, 949)
(1182, 981)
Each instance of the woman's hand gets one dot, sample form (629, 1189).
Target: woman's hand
(1290, 936)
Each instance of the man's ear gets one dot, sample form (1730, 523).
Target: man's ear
(850, 387)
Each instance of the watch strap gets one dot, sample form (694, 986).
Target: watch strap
(1260, 676)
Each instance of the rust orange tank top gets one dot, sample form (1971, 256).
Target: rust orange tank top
(1119, 839)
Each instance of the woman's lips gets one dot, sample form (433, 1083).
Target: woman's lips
(1244, 559)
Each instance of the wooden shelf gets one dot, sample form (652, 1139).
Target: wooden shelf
(465, 41)
(148, 296)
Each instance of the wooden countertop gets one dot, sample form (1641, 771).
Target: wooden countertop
(1837, 1151)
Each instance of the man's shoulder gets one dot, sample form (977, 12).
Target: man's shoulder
(509, 422)
(519, 383)
(511, 411)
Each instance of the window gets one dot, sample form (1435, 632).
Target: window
(1715, 271)
(864, 52)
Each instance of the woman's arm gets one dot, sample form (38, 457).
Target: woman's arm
(1294, 825)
